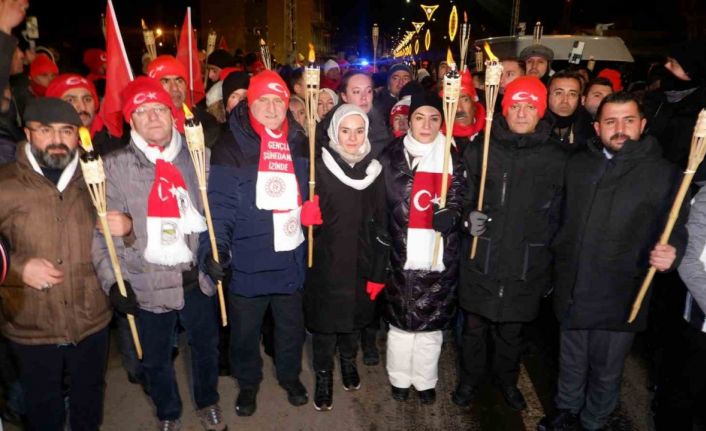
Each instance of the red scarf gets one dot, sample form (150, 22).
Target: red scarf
(461, 131)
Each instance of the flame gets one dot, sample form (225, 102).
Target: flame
(187, 111)
(85, 136)
(312, 53)
(450, 58)
(262, 42)
(144, 26)
(465, 17)
(491, 56)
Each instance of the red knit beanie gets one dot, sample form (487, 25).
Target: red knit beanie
(267, 82)
(166, 65)
(68, 81)
(526, 89)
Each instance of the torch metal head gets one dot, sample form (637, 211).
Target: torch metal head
(493, 72)
(452, 87)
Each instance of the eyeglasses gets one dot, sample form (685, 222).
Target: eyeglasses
(159, 110)
(46, 131)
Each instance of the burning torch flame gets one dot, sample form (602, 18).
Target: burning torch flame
(144, 26)
(491, 56)
(85, 136)
(465, 17)
(187, 111)
(312, 54)
(262, 42)
(450, 59)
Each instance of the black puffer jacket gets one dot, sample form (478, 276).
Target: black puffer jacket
(512, 267)
(417, 300)
(615, 211)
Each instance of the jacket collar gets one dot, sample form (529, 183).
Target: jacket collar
(28, 171)
(645, 147)
(502, 134)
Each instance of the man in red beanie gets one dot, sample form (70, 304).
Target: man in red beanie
(155, 218)
(41, 72)
(501, 287)
(81, 94)
(258, 194)
(172, 74)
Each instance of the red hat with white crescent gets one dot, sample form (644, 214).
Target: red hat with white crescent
(166, 65)
(68, 81)
(145, 90)
(526, 89)
(265, 83)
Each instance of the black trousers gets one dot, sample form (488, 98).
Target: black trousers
(498, 342)
(591, 363)
(324, 346)
(247, 314)
(681, 394)
(42, 370)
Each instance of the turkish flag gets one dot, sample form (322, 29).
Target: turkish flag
(426, 190)
(118, 75)
(188, 55)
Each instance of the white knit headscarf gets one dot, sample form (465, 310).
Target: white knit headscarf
(342, 112)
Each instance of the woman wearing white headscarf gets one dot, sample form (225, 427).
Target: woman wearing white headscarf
(350, 250)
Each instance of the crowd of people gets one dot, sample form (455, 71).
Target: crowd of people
(581, 175)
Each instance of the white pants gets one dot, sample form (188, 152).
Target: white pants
(413, 358)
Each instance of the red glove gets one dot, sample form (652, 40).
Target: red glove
(373, 289)
(311, 213)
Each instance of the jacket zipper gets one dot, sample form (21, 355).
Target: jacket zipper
(504, 189)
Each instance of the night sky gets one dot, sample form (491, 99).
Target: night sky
(75, 24)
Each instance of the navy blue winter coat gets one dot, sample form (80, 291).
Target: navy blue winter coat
(241, 228)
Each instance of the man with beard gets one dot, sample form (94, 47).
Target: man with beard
(52, 309)
(470, 113)
(172, 75)
(617, 199)
(538, 59)
(596, 90)
(81, 94)
(571, 122)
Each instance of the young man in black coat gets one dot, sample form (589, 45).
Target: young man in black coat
(618, 195)
(501, 287)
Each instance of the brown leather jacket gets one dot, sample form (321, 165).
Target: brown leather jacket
(39, 221)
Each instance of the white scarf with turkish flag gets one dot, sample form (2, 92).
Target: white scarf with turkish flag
(427, 162)
(170, 212)
(277, 188)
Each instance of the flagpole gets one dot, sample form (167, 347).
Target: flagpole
(191, 57)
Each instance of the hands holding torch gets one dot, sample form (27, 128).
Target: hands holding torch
(195, 141)
(493, 72)
(312, 76)
(94, 175)
(452, 89)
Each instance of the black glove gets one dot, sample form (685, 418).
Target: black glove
(190, 279)
(444, 219)
(122, 304)
(476, 223)
(219, 271)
